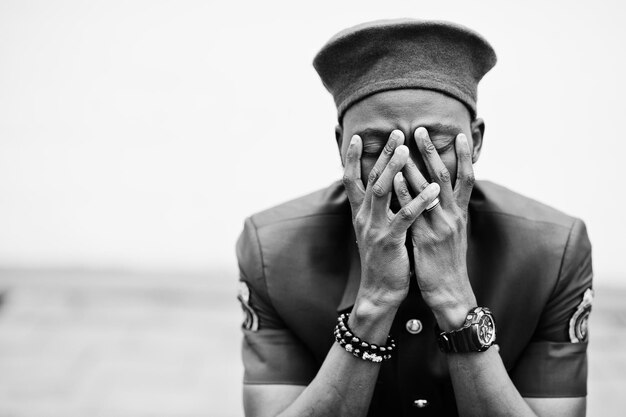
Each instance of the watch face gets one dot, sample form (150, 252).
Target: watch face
(486, 330)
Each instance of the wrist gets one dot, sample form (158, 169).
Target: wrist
(451, 313)
(371, 320)
(453, 317)
(380, 298)
(451, 305)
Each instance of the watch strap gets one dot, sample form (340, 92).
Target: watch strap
(457, 341)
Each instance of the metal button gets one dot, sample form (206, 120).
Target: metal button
(420, 403)
(414, 326)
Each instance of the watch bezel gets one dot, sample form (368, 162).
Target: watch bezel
(478, 325)
(468, 338)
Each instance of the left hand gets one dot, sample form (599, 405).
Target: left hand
(440, 236)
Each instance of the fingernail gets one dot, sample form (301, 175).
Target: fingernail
(401, 150)
(396, 134)
(421, 131)
(399, 177)
(462, 137)
(354, 139)
(435, 187)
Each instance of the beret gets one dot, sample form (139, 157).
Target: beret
(404, 53)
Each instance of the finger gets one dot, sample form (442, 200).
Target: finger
(411, 211)
(464, 172)
(352, 174)
(435, 212)
(437, 170)
(415, 179)
(402, 190)
(396, 138)
(381, 191)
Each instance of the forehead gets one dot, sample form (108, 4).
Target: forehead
(406, 109)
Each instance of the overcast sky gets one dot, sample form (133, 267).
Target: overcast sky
(139, 134)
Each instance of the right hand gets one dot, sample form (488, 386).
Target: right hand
(381, 234)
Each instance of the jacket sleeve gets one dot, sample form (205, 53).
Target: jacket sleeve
(554, 364)
(271, 353)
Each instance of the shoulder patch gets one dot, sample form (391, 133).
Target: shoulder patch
(578, 332)
(251, 318)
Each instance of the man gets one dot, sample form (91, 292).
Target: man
(416, 260)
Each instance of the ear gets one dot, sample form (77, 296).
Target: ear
(339, 140)
(478, 132)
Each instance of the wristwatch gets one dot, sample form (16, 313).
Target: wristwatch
(477, 334)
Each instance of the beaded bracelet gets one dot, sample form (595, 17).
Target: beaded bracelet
(360, 348)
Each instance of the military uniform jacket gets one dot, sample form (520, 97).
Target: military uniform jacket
(529, 263)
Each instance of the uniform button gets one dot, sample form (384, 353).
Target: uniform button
(414, 326)
(420, 403)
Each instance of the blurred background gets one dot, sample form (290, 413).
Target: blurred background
(135, 137)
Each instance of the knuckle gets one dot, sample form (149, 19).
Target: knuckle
(387, 242)
(359, 221)
(378, 190)
(422, 198)
(469, 180)
(422, 185)
(407, 213)
(389, 148)
(403, 192)
(372, 237)
(346, 180)
(378, 239)
(373, 176)
(429, 147)
(444, 175)
(450, 228)
(437, 239)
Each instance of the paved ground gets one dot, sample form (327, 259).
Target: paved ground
(113, 345)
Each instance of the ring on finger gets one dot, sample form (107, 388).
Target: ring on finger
(432, 205)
